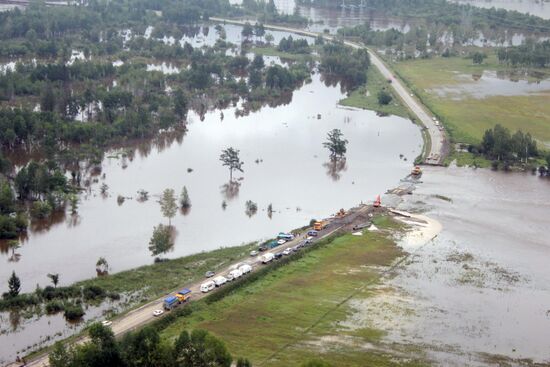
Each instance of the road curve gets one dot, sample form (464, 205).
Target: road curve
(437, 141)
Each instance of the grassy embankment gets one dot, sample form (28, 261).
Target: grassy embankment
(151, 281)
(466, 117)
(302, 308)
(366, 97)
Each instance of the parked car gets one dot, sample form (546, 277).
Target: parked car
(157, 313)
(245, 268)
(208, 286)
(285, 236)
(219, 281)
(209, 274)
(254, 253)
(106, 323)
(229, 277)
(236, 273)
(267, 257)
(278, 255)
(312, 233)
(262, 248)
(287, 251)
(281, 242)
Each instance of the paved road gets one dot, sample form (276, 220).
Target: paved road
(437, 145)
(144, 314)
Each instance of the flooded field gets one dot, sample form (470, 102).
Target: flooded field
(480, 292)
(492, 83)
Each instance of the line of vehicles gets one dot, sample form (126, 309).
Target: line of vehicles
(174, 300)
(239, 270)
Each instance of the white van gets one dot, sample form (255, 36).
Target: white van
(235, 273)
(219, 281)
(245, 268)
(208, 286)
(267, 257)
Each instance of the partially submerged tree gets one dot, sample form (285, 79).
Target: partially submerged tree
(14, 285)
(251, 208)
(54, 278)
(168, 205)
(336, 144)
(161, 241)
(185, 201)
(102, 266)
(230, 158)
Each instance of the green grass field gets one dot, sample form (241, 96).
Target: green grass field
(294, 313)
(467, 118)
(361, 99)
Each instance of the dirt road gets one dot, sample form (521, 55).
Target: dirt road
(436, 147)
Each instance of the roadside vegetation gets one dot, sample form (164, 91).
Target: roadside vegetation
(144, 348)
(133, 287)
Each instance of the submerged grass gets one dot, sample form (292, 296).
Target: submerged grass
(292, 314)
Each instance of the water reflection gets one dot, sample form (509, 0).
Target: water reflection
(230, 190)
(335, 168)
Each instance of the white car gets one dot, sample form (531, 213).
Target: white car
(208, 286)
(220, 280)
(157, 313)
(254, 253)
(281, 242)
(235, 273)
(106, 323)
(287, 251)
(245, 268)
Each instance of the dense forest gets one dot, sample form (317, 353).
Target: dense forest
(528, 54)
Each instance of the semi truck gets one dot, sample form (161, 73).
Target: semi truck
(171, 302)
(320, 225)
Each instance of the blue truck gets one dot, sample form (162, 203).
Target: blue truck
(171, 302)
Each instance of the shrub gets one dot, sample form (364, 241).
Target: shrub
(73, 312)
(93, 292)
(384, 98)
(54, 307)
(41, 209)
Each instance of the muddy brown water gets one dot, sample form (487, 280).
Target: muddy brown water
(483, 285)
(291, 174)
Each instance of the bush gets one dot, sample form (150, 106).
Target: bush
(93, 292)
(41, 209)
(49, 293)
(20, 301)
(384, 98)
(73, 312)
(54, 307)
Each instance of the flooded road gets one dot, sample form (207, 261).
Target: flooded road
(480, 292)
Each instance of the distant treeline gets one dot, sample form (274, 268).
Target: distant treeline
(528, 54)
(447, 13)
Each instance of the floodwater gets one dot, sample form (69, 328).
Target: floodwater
(482, 287)
(492, 83)
(290, 173)
(540, 8)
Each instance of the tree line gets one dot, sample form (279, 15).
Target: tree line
(530, 53)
